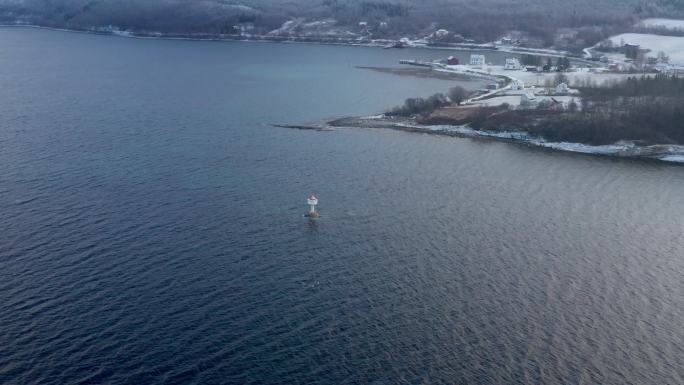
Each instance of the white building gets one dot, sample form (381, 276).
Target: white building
(512, 64)
(441, 33)
(477, 60)
(517, 85)
(562, 89)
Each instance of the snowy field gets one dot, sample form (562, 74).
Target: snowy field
(514, 100)
(673, 46)
(662, 23)
(536, 79)
(540, 78)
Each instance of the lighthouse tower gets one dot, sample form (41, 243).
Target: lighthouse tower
(312, 202)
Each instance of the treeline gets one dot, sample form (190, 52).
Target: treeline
(659, 85)
(652, 122)
(482, 21)
(385, 8)
(419, 106)
(424, 107)
(649, 110)
(561, 63)
(539, 21)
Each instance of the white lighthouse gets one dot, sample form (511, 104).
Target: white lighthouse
(312, 202)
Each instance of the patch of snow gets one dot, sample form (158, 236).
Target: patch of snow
(374, 117)
(524, 137)
(241, 8)
(585, 148)
(677, 158)
(320, 23)
(118, 32)
(287, 27)
(669, 153)
(513, 98)
(533, 78)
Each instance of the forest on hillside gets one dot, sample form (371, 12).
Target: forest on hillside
(482, 21)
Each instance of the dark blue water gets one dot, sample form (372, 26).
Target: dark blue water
(151, 230)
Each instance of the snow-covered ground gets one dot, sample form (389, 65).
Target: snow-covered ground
(662, 23)
(673, 46)
(514, 100)
(673, 158)
(535, 78)
(540, 78)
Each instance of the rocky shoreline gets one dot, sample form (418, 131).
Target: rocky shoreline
(665, 153)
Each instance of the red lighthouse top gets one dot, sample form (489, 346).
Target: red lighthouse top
(313, 197)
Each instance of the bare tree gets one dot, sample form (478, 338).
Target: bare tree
(458, 94)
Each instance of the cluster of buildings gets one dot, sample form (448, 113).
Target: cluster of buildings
(626, 57)
(479, 60)
(529, 97)
(476, 61)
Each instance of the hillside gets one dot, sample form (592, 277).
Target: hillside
(538, 20)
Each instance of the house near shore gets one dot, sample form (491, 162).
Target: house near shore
(512, 64)
(615, 67)
(562, 89)
(517, 85)
(244, 28)
(477, 60)
(453, 61)
(441, 33)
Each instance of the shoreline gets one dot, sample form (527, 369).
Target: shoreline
(667, 153)
(672, 154)
(379, 43)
